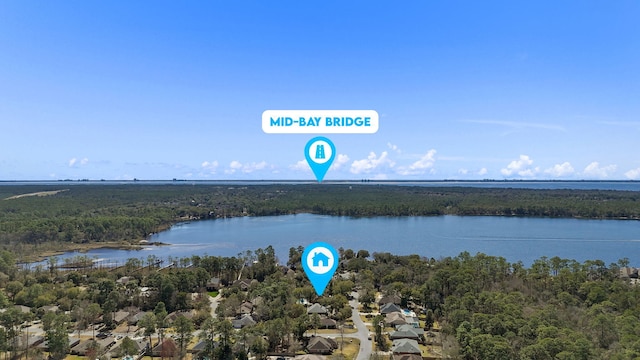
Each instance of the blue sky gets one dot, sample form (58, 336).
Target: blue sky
(464, 89)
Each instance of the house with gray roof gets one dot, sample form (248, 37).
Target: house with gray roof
(245, 320)
(405, 346)
(317, 309)
(389, 308)
(405, 333)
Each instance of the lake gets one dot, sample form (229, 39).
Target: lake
(515, 238)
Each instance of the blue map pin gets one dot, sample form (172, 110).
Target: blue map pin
(320, 153)
(320, 261)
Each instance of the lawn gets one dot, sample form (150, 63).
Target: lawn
(213, 293)
(350, 348)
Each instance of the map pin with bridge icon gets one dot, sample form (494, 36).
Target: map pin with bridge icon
(320, 153)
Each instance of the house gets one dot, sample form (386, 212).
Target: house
(50, 308)
(167, 349)
(393, 299)
(243, 284)
(317, 309)
(320, 258)
(174, 315)
(629, 272)
(73, 341)
(413, 321)
(103, 345)
(321, 345)
(23, 309)
(405, 346)
(120, 316)
(395, 319)
(133, 319)
(406, 357)
(214, 284)
(327, 323)
(140, 346)
(405, 333)
(310, 357)
(389, 308)
(24, 341)
(200, 347)
(245, 308)
(418, 331)
(245, 320)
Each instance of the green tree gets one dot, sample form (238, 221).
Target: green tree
(160, 313)
(148, 322)
(92, 314)
(225, 330)
(184, 330)
(11, 320)
(56, 336)
(208, 334)
(128, 347)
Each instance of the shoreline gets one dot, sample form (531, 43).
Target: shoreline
(84, 248)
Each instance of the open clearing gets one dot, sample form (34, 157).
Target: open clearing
(41, 193)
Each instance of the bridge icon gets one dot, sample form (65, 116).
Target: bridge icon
(320, 152)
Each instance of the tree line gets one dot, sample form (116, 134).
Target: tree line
(101, 213)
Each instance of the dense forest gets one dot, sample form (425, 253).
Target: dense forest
(87, 213)
(485, 307)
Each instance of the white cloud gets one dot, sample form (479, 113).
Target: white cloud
(483, 171)
(421, 166)
(210, 166)
(394, 147)
(594, 170)
(521, 166)
(339, 161)
(74, 162)
(236, 166)
(633, 174)
(463, 171)
(560, 170)
(371, 163)
(301, 165)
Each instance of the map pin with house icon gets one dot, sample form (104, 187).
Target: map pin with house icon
(320, 261)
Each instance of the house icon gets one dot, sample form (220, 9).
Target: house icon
(318, 258)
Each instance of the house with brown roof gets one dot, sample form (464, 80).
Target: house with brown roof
(243, 284)
(245, 308)
(321, 345)
(393, 299)
(395, 319)
(327, 323)
(167, 349)
(214, 284)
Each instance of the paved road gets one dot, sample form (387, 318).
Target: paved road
(363, 333)
(213, 303)
(366, 345)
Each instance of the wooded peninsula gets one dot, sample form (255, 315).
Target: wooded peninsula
(68, 216)
(465, 307)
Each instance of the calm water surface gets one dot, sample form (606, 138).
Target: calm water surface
(516, 239)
